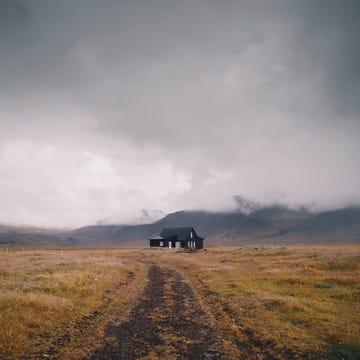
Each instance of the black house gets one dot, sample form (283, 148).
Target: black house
(177, 237)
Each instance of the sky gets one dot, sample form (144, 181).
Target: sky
(122, 111)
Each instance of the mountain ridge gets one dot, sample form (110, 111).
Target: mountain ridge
(275, 224)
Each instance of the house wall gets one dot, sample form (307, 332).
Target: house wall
(198, 243)
(154, 243)
(192, 243)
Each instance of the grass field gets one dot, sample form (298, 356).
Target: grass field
(280, 302)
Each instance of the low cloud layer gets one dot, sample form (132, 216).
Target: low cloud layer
(108, 108)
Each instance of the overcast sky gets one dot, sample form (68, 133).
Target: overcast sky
(109, 107)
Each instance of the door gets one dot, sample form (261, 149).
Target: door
(170, 245)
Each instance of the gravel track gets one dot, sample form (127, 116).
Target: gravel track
(167, 323)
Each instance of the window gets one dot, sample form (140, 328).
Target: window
(191, 235)
(161, 243)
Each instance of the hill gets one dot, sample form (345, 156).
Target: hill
(272, 224)
(27, 236)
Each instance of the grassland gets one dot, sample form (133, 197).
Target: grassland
(285, 302)
(48, 298)
(270, 302)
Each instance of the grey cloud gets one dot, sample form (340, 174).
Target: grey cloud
(328, 30)
(253, 97)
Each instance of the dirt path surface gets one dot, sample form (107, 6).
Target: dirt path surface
(167, 323)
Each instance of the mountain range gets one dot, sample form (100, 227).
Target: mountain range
(275, 224)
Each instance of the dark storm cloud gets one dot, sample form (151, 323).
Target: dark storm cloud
(329, 37)
(259, 98)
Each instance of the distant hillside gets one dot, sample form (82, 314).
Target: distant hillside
(272, 224)
(337, 226)
(32, 236)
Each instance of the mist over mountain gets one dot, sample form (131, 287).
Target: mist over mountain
(25, 236)
(273, 224)
(143, 217)
(249, 223)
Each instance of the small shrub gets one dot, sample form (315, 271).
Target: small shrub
(322, 286)
(272, 305)
(337, 264)
(343, 351)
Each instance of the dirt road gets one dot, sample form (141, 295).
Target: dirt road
(168, 323)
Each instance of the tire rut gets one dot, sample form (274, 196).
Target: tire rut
(168, 322)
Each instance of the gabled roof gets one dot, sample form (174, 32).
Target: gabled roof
(182, 233)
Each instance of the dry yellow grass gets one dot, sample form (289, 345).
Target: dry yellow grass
(48, 298)
(294, 300)
(285, 301)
